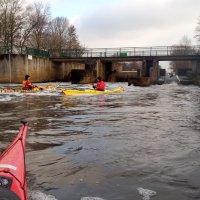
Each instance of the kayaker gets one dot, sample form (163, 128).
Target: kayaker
(27, 84)
(100, 85)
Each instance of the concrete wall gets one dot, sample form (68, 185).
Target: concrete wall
(14, 69)
(185, 66)
(62, 71)
(117, 66)
(100, 69)
(121, 75)
(5, 71)
(40, 69)
(155, 72)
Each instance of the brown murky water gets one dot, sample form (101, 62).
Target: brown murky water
(108, 146)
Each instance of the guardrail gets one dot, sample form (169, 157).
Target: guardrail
(126, 51)
(178, 50)
(23, 50)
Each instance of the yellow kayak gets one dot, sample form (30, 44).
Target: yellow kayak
(36, 89)
(91, 91)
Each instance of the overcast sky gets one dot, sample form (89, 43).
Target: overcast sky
(130, 23)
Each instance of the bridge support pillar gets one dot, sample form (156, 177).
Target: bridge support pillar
(155, 71)
(151, 70)
(197, 68)
(100, 69)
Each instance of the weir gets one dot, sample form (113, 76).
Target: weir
(84, 66)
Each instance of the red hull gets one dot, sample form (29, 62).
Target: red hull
(12, 164)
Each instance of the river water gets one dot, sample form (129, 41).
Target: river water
(108, 146)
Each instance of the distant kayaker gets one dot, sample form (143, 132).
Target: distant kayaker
(100, 85)
(27, 84)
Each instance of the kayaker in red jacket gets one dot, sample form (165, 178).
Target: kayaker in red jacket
(27, 84)
(100, 85)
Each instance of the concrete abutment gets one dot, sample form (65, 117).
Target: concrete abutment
(13, 68)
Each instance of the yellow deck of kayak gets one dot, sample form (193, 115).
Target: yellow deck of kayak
(37, 89)
(91, 91)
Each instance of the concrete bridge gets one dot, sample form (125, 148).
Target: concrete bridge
(160, 53)
(84, 65)
(105, 61)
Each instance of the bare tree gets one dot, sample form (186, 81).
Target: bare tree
(56, 33)
(11, 21)
(31, 26)
(40, 19)
(197, 30)
(72, 38)
(73, 46)
(183, 48)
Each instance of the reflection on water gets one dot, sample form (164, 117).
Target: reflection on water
(107, 146)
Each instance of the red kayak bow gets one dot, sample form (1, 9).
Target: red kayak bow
(13, 167)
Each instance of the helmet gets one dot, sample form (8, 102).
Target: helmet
(99, 78)
(26, 77)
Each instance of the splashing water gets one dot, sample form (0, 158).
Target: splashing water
(91, 198)
(146, 193)
(38, 195)
(6, 99)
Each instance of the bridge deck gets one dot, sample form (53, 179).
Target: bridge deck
(160, 53)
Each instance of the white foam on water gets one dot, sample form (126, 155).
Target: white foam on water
(9, 96)
(146, 193)
(10, 131)
(38, 195)
(91, 198)
(5, 98)
(44, 93)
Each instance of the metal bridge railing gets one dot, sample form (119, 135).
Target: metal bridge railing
(124, 52)
(23, 50)
(177, 50)
(37, 52)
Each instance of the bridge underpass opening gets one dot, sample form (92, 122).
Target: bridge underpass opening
(108, 71)
(165, 65)
(128, 70)
(148, 66)
(77, 76)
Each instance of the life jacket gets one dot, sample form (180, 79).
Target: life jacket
(27, 85)
(100, 86)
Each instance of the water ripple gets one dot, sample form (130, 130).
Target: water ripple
(107, 146)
